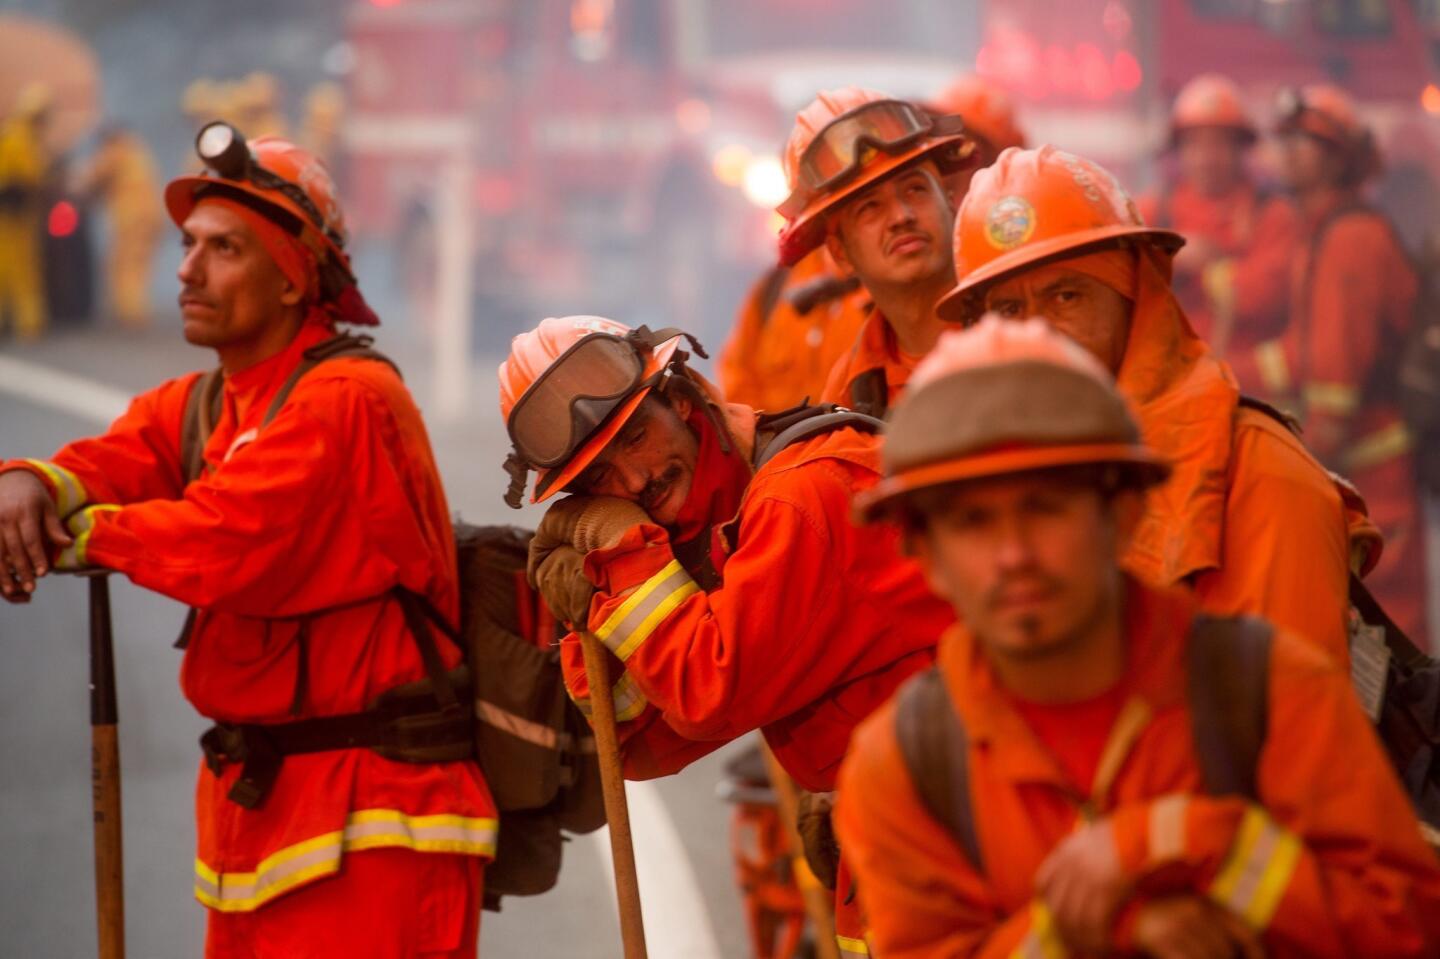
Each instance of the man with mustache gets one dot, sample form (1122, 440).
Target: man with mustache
(1065, 780)
(305, 533)
(712, 552)
(1248, 519)
(867, 177)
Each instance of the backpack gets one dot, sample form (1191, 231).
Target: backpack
(1227, 681)
(533, 744)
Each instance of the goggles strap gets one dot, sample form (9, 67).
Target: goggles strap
(646, 339)
(519, 476)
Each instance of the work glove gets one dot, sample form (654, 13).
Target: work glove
(80, 524)
(583, 523)
(560, 578)
(817, 835)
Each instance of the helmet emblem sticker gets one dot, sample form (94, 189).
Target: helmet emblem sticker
(1010, 222)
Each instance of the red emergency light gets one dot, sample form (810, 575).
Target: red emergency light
(63, 219)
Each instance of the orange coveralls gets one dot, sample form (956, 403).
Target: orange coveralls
(777, 356)
(1240, 299)
(1338, 357)
(816, 623)
(1329, 863)
(875, 348)
(309, 521)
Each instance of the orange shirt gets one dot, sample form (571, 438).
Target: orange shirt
(1074, 733)
(876, 348)
(1329, 862)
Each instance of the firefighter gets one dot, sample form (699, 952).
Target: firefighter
(324, 113)
(1081, 706)
(990, 122)
(794, 325)
(1352, 302)
(1249, 519)
(123, 172)
(1233, 275)
(732, 597)
(313, 532)
(866, 175)
(24, 166)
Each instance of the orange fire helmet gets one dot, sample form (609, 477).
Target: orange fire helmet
(1032, 206)
(849, 139)
(988, 111)
(1210, 100)
(1006, 397)
(569, 386)
(1328, 113)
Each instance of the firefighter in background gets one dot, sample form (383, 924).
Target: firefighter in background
(1352, 299)
(323, 113)
(1248, 519)
(1076, 706)
(306, 533)
(257, 104)
(721, 570)
(866, 175)
(24, 167)
(124, 175)
(990, 122)
(1233, 275)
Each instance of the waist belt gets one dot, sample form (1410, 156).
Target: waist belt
(405, 724)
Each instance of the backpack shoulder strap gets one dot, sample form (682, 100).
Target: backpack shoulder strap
(202, 410)
(934, 746)
(339, 346)
(869, 393)
(771, 287)
(806, 422)
(1227, 682)
(1274, 412)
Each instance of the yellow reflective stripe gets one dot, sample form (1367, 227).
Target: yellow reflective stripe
(630, 702)
(1274, 371)
(1042, 941)
(81, 525)
(69, 491)
(1336, 399)
(1382, 445)
(1257, 869)
(1167, 827)
(320, 856)
(646, 608)
(851, 947)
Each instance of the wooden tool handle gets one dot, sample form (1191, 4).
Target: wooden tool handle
(105, 776)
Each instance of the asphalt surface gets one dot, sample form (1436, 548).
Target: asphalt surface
(46, 873)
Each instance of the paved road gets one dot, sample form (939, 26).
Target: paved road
(46, 888)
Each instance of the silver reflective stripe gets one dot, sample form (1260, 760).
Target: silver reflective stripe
(1258, 868)
(69, 491)
(636, 618)
(518, 726)
(630, 702)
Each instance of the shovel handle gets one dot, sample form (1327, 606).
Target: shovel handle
(612, 782)
(105, 776)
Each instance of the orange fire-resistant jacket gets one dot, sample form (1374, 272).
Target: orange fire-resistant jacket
(778, 356)
(308, 521)
(1248, 517)
(1329, 862)
(815, 624)
(875, 348)
(1338, 356)
(1240, 299)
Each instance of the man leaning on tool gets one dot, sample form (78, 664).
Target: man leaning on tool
(1099, 802)
(294, 546)
(1248, 519)
(732, 597)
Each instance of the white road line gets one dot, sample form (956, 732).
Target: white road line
(61, 391)
(677, 925)
(676, 922)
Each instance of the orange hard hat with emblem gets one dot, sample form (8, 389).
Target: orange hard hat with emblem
(848, 139)
(1035, 206)
(1211, 100)
(1006, 397)
(986, 110)
(569, 386)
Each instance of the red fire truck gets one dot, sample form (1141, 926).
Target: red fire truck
(623, 154)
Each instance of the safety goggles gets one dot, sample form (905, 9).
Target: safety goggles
(1295, 115)
(574, 397)
(845, 144)
(226, 154)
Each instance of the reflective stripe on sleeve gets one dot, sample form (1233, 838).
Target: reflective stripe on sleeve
(1383, 444)
(1167, 827)
(630, 702)
(1274, 370)
(646, 608)
(320, 856)
(81, 525)
(852, 948)
(69, 491)
(1257, 869)
(1042, 941)
(1335, 399)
